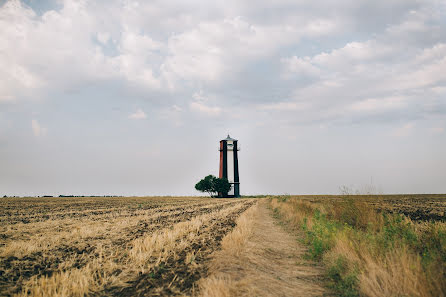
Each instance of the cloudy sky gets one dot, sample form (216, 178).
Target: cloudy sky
(131, 97)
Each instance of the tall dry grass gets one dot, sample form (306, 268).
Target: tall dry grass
(219, 283)
(49, 251)
(368, 253)
(111, 268)
(42, 236)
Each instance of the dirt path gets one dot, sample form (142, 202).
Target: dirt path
(271, 264)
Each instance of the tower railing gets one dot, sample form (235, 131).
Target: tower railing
(238, 148)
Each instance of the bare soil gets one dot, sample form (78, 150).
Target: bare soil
(45, 237)
(41, 237)
(177, 273)
(272, 263)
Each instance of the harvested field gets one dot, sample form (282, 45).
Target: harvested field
(110, 246)
(173, 246)
(418, 207)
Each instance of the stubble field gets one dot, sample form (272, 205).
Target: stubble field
(418, 207)
(159, 246)
(110, 246)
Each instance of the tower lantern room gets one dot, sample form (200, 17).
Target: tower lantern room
(229, 164)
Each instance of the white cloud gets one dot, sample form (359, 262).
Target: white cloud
(176, 108)
(172, 114)
(53, 50)
(66, 48)
(300, 67)
(38, 130)
(103, 37)
(137, 53)
(404, 130)
(320, 27)
(428, 69)
(345, 72)
(204, 109)
(138, 44)
(387, 74)
(437, 130)
(214, 50)
(352, 53)
(231, 49)
(283, 106)
(379, 104)
(138, 115)
(5, 97)
(201, 105)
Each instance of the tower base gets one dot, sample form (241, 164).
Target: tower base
(236, 192)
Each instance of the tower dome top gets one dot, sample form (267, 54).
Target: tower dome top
(229, 138)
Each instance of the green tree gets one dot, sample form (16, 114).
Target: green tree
(214, 186)
(222, 186)
(206, 185)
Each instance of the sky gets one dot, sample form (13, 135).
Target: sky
(124, 97)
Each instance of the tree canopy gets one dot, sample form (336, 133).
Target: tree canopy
(214, 186)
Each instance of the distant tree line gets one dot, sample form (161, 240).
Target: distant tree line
(63, 196)
(68, 196)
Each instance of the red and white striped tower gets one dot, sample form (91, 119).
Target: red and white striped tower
(229, 164)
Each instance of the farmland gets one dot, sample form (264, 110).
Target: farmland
(110, 246)
(387, 245)
(159, 246)
(418, 207)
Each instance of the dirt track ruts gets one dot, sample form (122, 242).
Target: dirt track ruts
(271, 263)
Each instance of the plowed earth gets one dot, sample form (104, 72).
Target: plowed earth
(418, 207)
(44, 241)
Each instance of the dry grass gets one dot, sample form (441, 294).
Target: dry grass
(39, 236)
(48, 252)
(162, 245)
(219, 283)
(259, 258)
(288, 210)
(369, 253)
(145, 254)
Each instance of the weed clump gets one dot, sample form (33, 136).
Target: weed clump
(344, 282)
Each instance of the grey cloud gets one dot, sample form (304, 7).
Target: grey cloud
(296, 81)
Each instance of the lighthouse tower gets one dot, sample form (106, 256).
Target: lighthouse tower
(229, 164)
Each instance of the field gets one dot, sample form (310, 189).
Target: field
(158, 246)
(387, 245)
(418, 207)
(109, 246)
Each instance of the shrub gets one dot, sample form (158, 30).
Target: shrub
(345, 282)
(214, 186)
(321, 235)
(355, 213)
